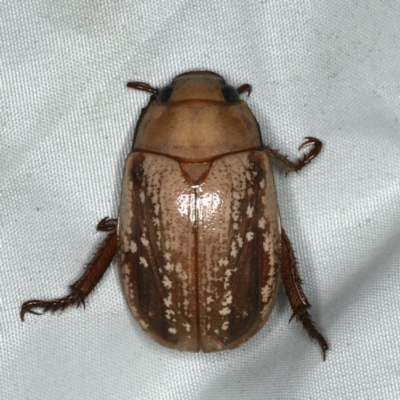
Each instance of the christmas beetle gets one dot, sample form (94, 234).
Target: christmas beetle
(200, 246)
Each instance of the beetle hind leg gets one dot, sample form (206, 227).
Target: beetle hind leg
(86, 283)
(285, 164)
(297, 298)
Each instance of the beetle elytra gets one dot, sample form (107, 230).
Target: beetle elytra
(200, 245)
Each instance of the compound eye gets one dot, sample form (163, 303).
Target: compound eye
(230, 94)
(165, 94)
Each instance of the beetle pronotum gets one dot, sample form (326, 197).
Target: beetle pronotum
(200, 245)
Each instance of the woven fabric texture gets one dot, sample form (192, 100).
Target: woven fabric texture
(324, 69)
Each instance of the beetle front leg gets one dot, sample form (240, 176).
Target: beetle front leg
(297, 298)
(86, 283)
(284, 163)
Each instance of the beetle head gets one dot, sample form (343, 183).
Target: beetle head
(198, 86)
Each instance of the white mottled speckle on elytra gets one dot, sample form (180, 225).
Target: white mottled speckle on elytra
(144, 241)
(223, 262)
(169, 313)
(216, 331)
(264, 200)
(262, 184)
(268, 244)
(143, 324)
(264, 312)
(132, 247)
(249, 236)
(236, 196)
(233, 249)
(225, 325)
(227, 298)
(125, 242)
(209, 299)
(266, 293)
(134, 309)
(167, 256)
(228, 272)
(225, 311)
(168, 300)
(142, 196)
(169, 267)
(143, 262)
(250, 211)
(187, 327)
(172, 330)
(240, 241)
(261, 223)
(179, 270)
(127, 285)
(166, 282)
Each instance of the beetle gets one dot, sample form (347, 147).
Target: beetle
(200, 245)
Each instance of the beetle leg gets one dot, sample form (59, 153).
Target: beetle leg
(297, 298)
(244, 88)
(86, 283)
(107, 225)
(144, 87)
(284, 163)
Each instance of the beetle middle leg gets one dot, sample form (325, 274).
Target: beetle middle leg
(294, 291)
(94, 271)
(284, 163)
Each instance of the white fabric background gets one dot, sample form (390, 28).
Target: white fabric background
(328, 69)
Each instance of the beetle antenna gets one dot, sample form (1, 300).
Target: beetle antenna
(144, 87)
(245, 88)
